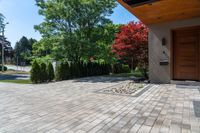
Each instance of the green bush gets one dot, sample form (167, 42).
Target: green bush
(143, 72)
(58, 73)
(117, 68)
(44, 74)
(50, 72)
(126, 69)
(41, 73)
(62, 70)
(5, 68)
(76, 70)
(120, 68)
(65, 71)
(35, 72)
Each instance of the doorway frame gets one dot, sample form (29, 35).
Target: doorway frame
(172, 44)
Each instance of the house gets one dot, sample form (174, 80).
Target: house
(174, 37)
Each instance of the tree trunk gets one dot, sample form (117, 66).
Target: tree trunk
(132, 64)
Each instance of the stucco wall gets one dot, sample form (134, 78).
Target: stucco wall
(157, 73)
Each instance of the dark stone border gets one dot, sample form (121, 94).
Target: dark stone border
(199, 89)
(196, 105)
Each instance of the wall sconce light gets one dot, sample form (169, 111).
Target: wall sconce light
(163, 41)
(165, 60)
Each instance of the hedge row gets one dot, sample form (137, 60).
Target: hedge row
(42, 72)
(120, 68)
(66, 71)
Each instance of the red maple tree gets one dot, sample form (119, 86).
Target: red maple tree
(131, 44)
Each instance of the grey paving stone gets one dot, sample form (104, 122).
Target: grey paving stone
(74, 106)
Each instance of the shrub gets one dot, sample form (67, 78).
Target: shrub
(76, 70)
(65, 71)
(58, 72)
(44, 74)
(35, 72)
(121, 68)
(5, 68)
(126, 69)
(50, 72)
(85, 70)
(144, 72)
(62, 71)
(117, 68)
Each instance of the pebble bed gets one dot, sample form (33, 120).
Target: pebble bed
(127, 88)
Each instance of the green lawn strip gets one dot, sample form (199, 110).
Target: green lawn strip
(18, 81)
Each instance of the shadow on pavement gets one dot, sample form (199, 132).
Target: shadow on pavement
(104, 79)
(13, 76)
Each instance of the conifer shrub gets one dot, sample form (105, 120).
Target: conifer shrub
(58, 73)
(66, 71)
(121, 68)
(35, 72)
(117, 68)
(50, 71)
(85, 70)
(72, 70)
(126, 69)
(44, 73)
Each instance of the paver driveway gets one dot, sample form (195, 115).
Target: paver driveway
(74, 106)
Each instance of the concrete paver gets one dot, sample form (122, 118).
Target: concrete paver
(75, 106)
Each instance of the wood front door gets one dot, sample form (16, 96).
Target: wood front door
(186, 53)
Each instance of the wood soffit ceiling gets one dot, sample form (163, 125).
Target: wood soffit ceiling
(160, 11)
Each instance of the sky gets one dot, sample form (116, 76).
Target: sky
(22, 15)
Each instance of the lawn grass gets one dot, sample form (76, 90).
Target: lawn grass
(18, 81)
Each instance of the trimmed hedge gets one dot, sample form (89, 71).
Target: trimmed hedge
(41, 72)
(50, 72)
(121, 68)
(45, 72)
(126, 69)
(35, 72)
(66, 70)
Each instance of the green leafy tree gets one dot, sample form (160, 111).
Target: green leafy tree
(35, 72)
(72, 22)
(49, 47)
(23, 50)
(104, 37)
(1, 21)
(50, 72)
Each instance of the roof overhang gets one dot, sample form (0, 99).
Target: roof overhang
(160, 11)
(138, 2)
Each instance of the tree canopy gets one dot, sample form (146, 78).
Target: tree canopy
(131, 44)
(23, 50)
(70, 27)
(1, 21)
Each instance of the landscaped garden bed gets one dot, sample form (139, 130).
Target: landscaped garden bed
(129, 88)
